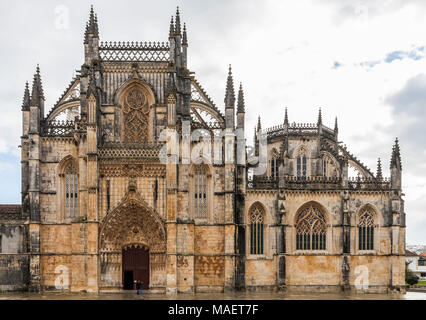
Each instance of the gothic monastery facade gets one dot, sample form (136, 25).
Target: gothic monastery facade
(100, 210)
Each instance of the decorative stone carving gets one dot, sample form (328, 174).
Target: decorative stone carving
(136, 110)
(132, 222)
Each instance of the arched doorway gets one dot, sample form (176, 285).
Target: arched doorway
(132, 246)
(135, 267)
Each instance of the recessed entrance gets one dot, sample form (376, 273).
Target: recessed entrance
(128, 280)
(135, 267)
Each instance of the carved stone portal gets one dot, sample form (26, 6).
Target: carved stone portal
(132, 223)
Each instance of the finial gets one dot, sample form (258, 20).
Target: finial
(230, 93)
(184, 37)
(259, 125)
(241, 103)
(92, 16)
(27, 99)
(319, 117)
(286, 117)
(172, 28)
(96, 27)
(396, 156)
(336, 128)
(37, 91)
(379, 174)
(92, 26)
(177, 22)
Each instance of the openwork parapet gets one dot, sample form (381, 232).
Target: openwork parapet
(319, 183)
(260, 182)
(134, 51)
(312, 183)
(58, 128)
(360, 183)
(298, 129)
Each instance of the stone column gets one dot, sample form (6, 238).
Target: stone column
(34, 198)
(229, 217)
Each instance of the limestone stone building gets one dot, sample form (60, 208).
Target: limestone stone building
(100, 209)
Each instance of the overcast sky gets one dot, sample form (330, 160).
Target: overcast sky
(362, 61)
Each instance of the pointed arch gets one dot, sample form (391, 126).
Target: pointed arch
(68, 187)
(65, 162)
(311, 227)
(301, 150)
(200, 190)
(132, 223)
(136, 100)
(135, 215)
(302, 155)
(330, 167)
(257, 217)
(132, 82)
(274, 164)
(366, 221)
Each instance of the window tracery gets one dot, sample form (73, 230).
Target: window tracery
(200, 192)
(71, 191)
(274, 164)
(366, 229)
(311, 229)
(256, 216)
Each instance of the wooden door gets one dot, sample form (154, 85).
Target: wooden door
(136, 260)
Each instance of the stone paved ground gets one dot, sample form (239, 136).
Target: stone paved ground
(212, 296)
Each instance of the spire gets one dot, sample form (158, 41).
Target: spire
(240, 103)
(92, 26)
(96, 27)
(319, 117)
(27, 99)
(185, 37)
(172, 28)
(230, 94)
(286, 117)
(379, 174)
(37, 91)
(336, 128)
(396, 156)
(259, 125)
(177, 22)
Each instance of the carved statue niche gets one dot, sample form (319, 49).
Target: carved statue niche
(281, 206)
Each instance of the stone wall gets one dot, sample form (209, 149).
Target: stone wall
(14, 259)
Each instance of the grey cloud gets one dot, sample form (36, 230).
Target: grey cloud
(411, 99)
(367, 9)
